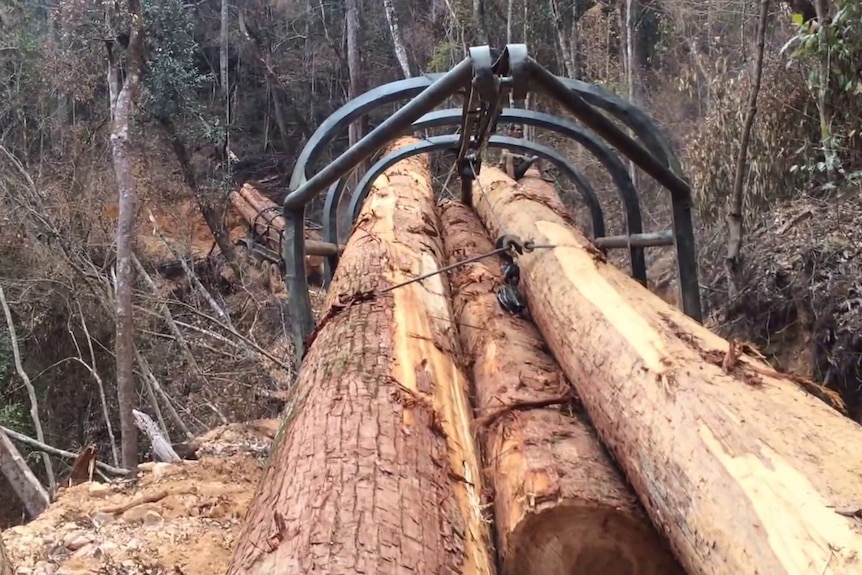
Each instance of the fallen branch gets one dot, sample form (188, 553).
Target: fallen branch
(31, 391)
(139, 500)
(21, 438)
(162, 449)
(25, 485)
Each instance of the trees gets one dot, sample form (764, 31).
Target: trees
(124, 106)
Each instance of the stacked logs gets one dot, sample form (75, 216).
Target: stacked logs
(383, 465)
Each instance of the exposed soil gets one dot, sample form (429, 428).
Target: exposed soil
(173, 518)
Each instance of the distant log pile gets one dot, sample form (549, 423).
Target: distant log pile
(264, 218)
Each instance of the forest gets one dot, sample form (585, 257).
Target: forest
(145, 149)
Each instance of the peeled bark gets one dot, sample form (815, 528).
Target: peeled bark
(741, 468)
(560, 504)
(374, 469)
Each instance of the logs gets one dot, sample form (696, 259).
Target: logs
(374, 469)
(742, 470)
(266, 219)
(560, 505)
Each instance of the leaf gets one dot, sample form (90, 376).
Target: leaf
(797, 19)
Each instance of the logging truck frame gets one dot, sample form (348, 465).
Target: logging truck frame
(485, 78)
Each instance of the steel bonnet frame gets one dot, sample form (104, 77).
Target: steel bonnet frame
(484, 78)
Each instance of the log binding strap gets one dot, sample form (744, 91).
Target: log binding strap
(510, 247)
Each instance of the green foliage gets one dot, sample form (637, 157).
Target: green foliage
(170, 87)
(441, 59)
(840, 43)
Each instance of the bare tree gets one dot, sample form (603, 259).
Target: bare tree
(121, 148)
(562, 38)
(733, 260)
(354, 69)
(397, 38)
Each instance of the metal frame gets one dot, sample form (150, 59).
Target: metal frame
(485, 80)
(612, 164)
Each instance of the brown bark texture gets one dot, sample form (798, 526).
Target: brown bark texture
(374, 469)
(560, 504)
(742, 470)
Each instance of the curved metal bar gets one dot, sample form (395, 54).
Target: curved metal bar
(644, 128)
(680, 191)
(591, 142)
(451, 143)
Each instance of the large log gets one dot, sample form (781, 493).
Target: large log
(742, 469)
(560, 504)
(374, 470)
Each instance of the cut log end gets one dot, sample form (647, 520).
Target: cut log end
(741, 470)
(560, 504)
(584, 538)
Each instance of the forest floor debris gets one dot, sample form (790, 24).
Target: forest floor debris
(172, 518)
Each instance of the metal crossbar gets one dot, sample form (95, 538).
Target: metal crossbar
(485, 79)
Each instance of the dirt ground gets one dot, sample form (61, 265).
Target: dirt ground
(173, 518)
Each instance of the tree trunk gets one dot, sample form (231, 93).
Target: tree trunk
(738, 465)
(355, 75)
(21, 478)
(266, 218)
(735, 227)
(5, 564)
(124, 347)
(374, 470)
(579, 515)
(563, 44)
(397, 37)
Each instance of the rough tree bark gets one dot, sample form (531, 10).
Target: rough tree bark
(560, 504)
(742, 470)
(374, 470)
(124, 347)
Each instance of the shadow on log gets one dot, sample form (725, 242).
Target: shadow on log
(742, 469)
(374, 469)
(560, 504)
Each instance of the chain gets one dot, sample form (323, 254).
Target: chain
(508, 295)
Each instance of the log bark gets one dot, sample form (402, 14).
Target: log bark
(374, 469)
(742, 469)
(560, 504)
